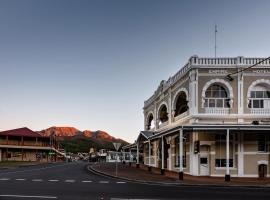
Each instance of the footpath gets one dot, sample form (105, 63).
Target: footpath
(131, 173)
(17, 164)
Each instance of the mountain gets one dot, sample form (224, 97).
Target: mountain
(74, 140)
(60, 131)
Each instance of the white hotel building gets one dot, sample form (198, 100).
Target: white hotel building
(223, 123)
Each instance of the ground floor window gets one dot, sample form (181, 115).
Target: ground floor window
(222, 162)
(262, 143)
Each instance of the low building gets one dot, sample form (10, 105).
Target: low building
(24, 144)
(212, 118)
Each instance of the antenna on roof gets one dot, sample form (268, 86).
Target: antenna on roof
(215, 40)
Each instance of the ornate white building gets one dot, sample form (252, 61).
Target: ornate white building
(223, 122)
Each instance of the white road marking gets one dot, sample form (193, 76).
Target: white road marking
(53, 180)
(120, 182)
(37, 180)
(70, 181)
(131, 199)
(26, 196)
(4, 179)
(20, 179)
(103, 181)
(87, 181)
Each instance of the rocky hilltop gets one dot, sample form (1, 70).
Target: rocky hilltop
(74, 140)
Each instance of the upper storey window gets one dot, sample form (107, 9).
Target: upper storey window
(163, 114)
(150, 122)
(216, 96)
(259, 97)
(181, 105)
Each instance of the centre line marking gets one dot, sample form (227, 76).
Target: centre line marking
(53, 180)
(26, 196)
(4, 179)
(70, 181)
(103, 181)
(87, 181)
(20, 179)
(120, 182)
(37, 180)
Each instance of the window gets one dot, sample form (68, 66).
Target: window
(181, 105)
(262, 143)
(259, 97)
(204, 161)
(222, 162)
(150, 122)
(163, 114)
(216, 97)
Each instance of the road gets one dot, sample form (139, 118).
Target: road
(66, 181)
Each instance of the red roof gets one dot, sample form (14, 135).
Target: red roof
(25, 132)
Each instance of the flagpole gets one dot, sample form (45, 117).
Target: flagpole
(215, 40)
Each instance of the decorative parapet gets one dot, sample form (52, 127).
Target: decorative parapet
(196, 62)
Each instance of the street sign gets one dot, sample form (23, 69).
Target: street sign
(116, 145)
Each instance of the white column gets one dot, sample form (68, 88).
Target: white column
(149, 153)
(181, 150)
(240, 155)
(130, 155)
(170, 106)
(228, 152)
(193, 91)
(162, 153)
(137, 152)
(240, 97)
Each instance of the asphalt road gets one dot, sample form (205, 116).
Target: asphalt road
(73, 181)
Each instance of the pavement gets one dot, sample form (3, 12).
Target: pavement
(131, 173)
(15, 164)
(74, 181)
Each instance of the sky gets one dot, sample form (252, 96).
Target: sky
(92, 64)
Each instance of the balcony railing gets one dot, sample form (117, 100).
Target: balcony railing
(163, 124)
(260, 111)
(178, 117)
(217, 111)
(24, 143)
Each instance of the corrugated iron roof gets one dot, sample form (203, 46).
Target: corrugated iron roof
(25, 132)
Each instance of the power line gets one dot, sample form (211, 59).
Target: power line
(228, 77)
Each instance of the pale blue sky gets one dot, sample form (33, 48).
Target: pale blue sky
(91, 64)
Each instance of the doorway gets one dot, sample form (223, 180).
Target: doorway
(262, 170)
(204, 160)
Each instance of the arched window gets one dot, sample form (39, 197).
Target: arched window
(181, 105)
(150, 122)
(260, 96)
(216, 96)
(163, 114)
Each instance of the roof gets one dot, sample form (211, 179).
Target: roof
(218, 127)
(146, 134)
(133, 145)
(25, 132)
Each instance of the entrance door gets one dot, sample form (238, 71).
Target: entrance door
(204, 166)
(262, 170)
